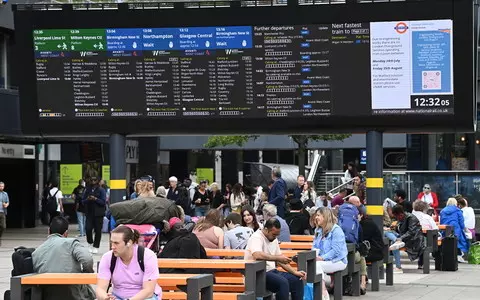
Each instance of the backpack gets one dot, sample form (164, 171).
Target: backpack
(348, 221)
(22, 261)
(52, 202)
(141, 263)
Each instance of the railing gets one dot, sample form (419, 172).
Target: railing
(444, 183)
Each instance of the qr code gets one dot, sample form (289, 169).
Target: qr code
(431, 80)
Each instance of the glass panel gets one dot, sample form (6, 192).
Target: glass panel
(443, 185)
(393, 182)
(469, 187)
(2, 60)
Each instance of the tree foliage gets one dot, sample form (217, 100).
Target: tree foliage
(216, 141)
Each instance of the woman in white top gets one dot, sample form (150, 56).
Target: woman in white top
(350, 173)
(419, 210)
(309, 193)
(237, 198)
(468, 216)
(54, 191)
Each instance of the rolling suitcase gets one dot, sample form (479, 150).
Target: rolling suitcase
(446, 256)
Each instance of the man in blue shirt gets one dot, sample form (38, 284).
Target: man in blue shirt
(3, 209)
(278, 192)
(94, 199)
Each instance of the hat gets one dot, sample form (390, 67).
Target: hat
(174, 221)
(161, 192)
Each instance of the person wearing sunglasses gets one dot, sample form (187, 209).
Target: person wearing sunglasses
(429, 197)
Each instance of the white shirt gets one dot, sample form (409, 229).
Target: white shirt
(347, 178)
(259, 243)
(469, 216)
(428, 198)
(426, 221)
(59, 196)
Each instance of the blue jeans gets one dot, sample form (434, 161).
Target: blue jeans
(201, 211)
(282, 284)
(81, 222)
(396, 253)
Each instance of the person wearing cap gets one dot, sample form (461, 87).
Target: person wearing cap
(428, 196)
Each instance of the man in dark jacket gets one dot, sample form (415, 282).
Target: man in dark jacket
(278, 192)
(411, 235)
(94, 199)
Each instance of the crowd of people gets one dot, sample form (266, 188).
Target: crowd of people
(253, 220)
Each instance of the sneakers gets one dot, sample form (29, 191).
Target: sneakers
(460, 259)
(326, 297)
(396, 246)
(90, 248)
(397, 270)
(94, 250)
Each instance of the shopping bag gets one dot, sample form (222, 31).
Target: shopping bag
(474, 254)
(308, 291)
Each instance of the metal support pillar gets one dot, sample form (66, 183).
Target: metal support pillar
(118, 168)
(375, 177)
(46, 168)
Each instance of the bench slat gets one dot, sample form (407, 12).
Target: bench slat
(296, 245)
(301, 238)
(183, 296)
(173, 263)
(241, 253)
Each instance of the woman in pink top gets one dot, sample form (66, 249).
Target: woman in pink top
(128, 280)
(208, 230)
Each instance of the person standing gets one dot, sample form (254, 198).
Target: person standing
(56, 193)
(278, 192)
(3, 209)
(94, 200)
(77, 195)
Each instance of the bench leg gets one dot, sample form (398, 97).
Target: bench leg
(16, 289)
(356, 284)
(426, 261)
(381, 271)
(389, 274)
(338, 286)
(375, 277)
(318, 287)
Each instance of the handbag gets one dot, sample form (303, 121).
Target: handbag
(474, 254)
(364, 248)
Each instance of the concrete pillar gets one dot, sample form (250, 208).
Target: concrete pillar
(118, 183)
(218, 168)
(375, 177)
(432, 151)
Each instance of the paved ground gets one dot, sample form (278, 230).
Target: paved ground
(412, 285)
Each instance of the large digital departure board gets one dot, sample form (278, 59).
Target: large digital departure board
(242, 71)
(290, 74)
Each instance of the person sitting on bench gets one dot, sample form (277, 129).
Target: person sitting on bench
(263, 245)
(329, 241)
(60, 254)
(132, 270)
(411, 235)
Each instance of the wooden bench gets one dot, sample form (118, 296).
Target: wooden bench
(241, 253)
(301, 238)
(254, 271)
(296, 245)
(195, 286)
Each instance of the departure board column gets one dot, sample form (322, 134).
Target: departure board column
(125, 72)
(296, 66)
(53, 72)
(90, 93)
